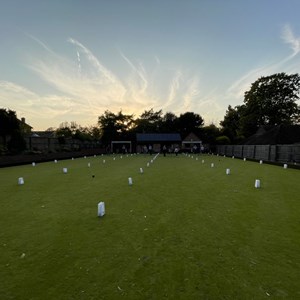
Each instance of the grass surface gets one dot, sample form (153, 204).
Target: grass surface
(183, 230)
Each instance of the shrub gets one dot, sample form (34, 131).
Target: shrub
(223, 140)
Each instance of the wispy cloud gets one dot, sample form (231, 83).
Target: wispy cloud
(192, 92)
(140, 72)
(103, 72)
(42, 44)
(173, 89)
(238, 88)
(289, 63)
(137, 84)
(83, 88)
(38, 108)
(289, 38)
(79, 64)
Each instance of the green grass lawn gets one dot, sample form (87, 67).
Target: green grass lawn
(183, 230)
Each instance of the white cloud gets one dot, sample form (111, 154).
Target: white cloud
(41, 43)
(238, 88)
(141, 81)
(7, 87)
(37, 109)
(289, 64)
(289, 38)
(173, 89)
(192, 92)
(83, 88)
(103, 72)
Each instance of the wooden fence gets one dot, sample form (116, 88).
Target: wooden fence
(15, 160)
(272, 153)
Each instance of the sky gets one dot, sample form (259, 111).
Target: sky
(71, 60)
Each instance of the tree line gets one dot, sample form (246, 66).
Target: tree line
(11, 133)
(271, 100)
(121, 126)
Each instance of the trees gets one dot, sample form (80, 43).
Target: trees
(121, 126)
(210, 133)
(64, 131)
(231, 123)
(114, 126)
(152, 121)
(95, 132)
(149, 121)
(8, 123)
(75, 131)
(169, 123)
(190, 122)
(10, 131)
(271, 100)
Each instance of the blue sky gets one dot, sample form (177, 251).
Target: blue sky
(63, 60)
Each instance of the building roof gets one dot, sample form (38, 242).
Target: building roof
(191, 137)
(158, 137)
(44, 134)
(281, 134)
(26, 128)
